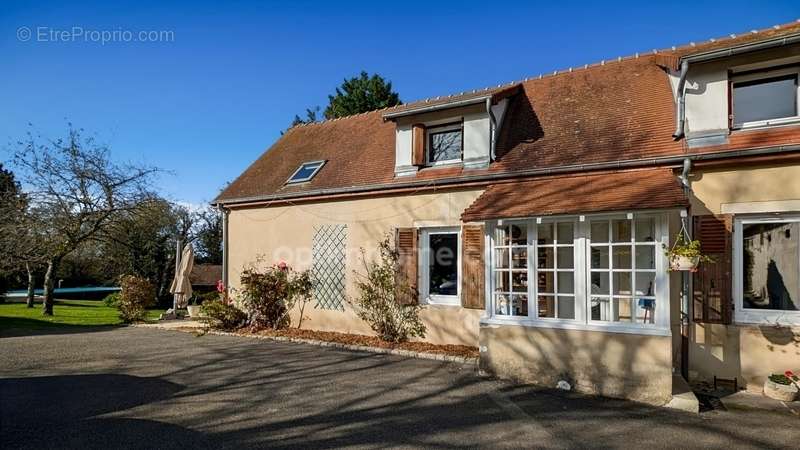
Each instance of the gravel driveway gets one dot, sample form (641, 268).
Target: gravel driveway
(146, 388)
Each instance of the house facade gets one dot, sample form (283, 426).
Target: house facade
(532, 218)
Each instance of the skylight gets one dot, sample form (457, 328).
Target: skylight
(305, 172)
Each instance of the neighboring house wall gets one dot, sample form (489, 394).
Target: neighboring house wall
(749, 352)
(286, 233)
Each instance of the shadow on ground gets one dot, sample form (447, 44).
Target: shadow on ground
(21, 326)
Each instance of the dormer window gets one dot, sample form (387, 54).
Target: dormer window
(305, 172)
(765, 98)
(444, 144)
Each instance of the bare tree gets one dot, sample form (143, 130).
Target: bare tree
(75, 191)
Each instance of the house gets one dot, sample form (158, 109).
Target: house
(553, 199)
(204, 277)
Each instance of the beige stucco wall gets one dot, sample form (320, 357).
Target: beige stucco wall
(747, 352)
(286, 233)
(611, 364)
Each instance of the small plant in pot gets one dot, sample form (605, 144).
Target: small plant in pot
(782, 386)
(685, 254)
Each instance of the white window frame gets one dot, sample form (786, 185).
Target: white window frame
(424, 265)
(582, 249)
(319, 164)
(762, 75)
(443, 128)
(756, 316)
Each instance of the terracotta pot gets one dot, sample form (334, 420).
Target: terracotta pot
(194, 310)
(783, 392)
(684, 263)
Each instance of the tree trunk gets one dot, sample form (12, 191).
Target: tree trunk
(49, 281)
(31, 285)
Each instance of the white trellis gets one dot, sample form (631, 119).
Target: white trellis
(328, 266)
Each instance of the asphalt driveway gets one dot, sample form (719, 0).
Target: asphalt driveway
(145, 388)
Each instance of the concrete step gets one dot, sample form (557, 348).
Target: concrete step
(682, 396)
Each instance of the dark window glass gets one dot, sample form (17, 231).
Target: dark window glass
(306, 172)
(443, 264)
(444, 145)
(771, 266)
(771, 98)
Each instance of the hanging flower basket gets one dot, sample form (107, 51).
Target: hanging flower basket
(684, 263)
(685, 253)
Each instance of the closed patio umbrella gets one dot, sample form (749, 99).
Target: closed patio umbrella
(181, 285)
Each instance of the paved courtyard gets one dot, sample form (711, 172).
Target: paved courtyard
(145, 388)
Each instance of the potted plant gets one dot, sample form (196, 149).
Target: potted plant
(685, 254)
(782, 386)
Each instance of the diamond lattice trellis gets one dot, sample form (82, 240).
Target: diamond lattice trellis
(329, 252)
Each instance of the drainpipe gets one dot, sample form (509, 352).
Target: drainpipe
(224, 213)
(492, 128)
(687, 167)
(681, 112)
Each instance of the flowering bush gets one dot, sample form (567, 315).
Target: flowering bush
(377, 304)
(136, 296)
(267, 296)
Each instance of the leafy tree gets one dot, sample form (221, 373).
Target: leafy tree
(311, 117)
(75, 192)
(361, 94)
(9, 199)
(208, 236)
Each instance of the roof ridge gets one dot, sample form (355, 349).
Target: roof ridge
(556, 72)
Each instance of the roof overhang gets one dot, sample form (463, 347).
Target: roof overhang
(494, 95)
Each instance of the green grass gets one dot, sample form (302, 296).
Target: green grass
(68, 315)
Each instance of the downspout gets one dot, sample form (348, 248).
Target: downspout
(687, 167)
(492, 128)
(224, 212)
(681, 104)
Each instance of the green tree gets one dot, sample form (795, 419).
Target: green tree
(361, 94)
(10, 196)
(208, 236)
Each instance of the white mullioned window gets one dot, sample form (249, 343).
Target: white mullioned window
(588, 272)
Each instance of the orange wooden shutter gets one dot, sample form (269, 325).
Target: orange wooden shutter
(711, 284)
(418, 144)
(406, 245)
(472, 269)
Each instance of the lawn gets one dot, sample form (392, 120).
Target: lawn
(74, 315)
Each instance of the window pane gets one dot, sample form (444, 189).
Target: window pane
(600, 257)
(566, 307)
(519, 235)
(545, 233)
(519, 258)
(645, 229)
(771, 266)
(501, 236)
(622, 283)
(501, 281)
(566, 282)
(443, 264)
(444, 145)
(519, 305)
(600, 308)
(545, 283)
(519, 281)
(547, 306)
(645, 282)
(501, 258)
(621, 257)
(502, 305)
(566, 257)
(621, 230)
(625, 310)
(600, 231)
(645, 257)
(565, 232)
(600, 283)
(647, 308)
(765, 99)
(545, 259)
(305, 172)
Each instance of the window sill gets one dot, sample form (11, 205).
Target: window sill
(580, 326)
(442, 301)
(768, 318)
(763, 124)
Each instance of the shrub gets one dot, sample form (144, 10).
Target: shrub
(222, 316)
(377, 304)
(136, 296)
(268, 295)
(112, 300)
(198, 299)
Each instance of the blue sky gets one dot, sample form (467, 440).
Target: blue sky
(208, 102)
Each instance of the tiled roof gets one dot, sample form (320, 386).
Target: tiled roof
(205, 274)
(574, 194)
(621, 109)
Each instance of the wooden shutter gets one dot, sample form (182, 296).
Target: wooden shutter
(711, 284)
(418, 144)
(406, 246)
(472, 269)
